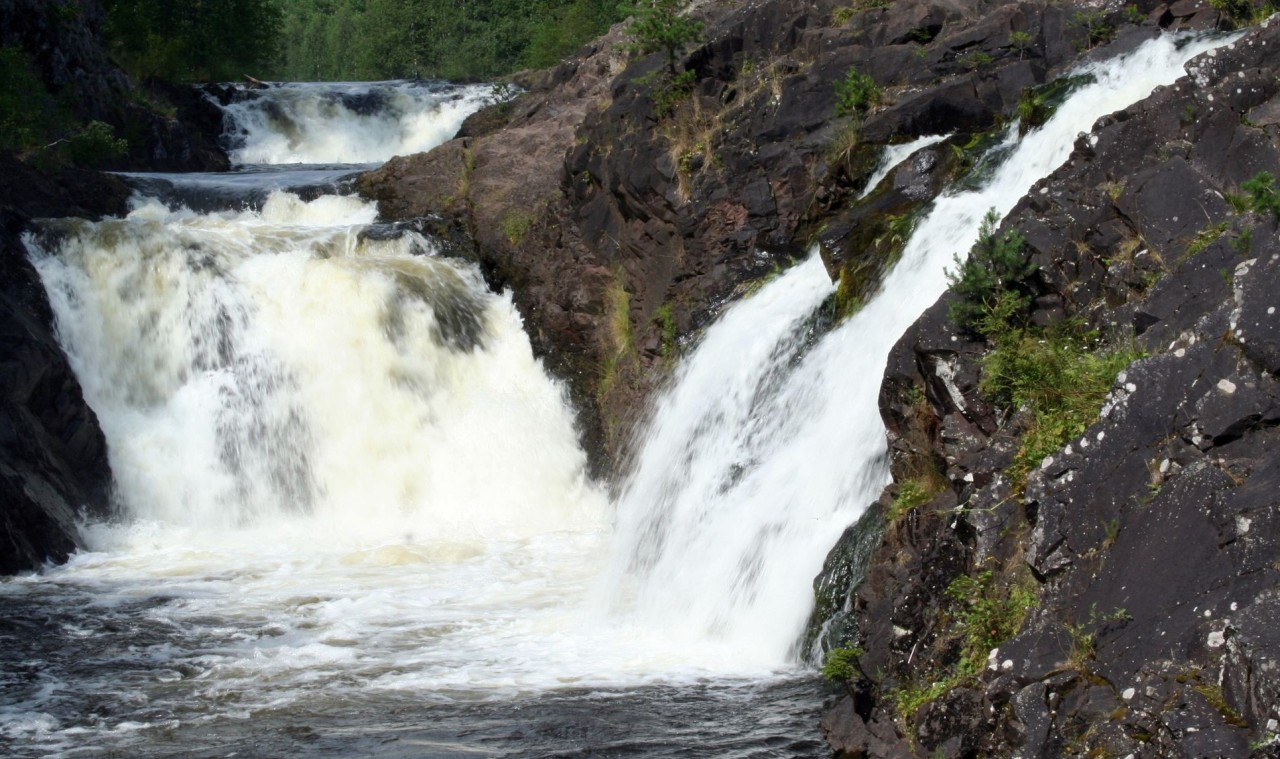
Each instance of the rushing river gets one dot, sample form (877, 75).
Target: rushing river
(353, 514)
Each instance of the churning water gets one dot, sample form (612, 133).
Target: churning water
(355, 520)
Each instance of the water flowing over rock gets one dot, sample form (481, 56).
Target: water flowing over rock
(343, 475)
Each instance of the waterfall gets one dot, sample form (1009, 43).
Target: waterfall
(259, 367)
(765, 448)
(348, 492)
(351, 123)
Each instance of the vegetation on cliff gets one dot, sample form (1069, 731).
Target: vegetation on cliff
(386, 39)
(183, 42)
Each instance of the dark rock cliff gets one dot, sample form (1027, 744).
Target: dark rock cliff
(53, 457)
(1147, 550)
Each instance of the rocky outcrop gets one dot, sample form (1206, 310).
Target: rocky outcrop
(1146, 552)
(53, 456)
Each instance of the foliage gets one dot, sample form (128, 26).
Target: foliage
(991, 611)
(1096, 26)
(914, 492)
(199, 41)
(1020, 40)
(856, 93)
(668, 92)
(478, 39)
(1244, 12)
(95, 145)
(515, 225)
(568, 28)
(658, 26)
(1205, 237)
(841, 16)
(841, 665)
(996, 270)
(28, 113)
(975, 59)
(1083, 637)
(909, 699)
(1262, 193)
(667, 320)
(989, 614)
(1060, 375)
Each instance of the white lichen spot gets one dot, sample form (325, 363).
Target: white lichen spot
(1129, 693)
(1131, 387)
(1226, 386)
(1243, 524)
(1234, 606)
(1208, 613)
(1101, 435)
(1164, 466)
(1048, 462)
(1271, 311)
(1180, 353)
(1006, 665)
(1216, 639)
(1068, 451)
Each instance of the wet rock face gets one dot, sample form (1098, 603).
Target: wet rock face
(1152, 540)
(53, 457)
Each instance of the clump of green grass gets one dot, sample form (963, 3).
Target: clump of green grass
(991, 610)
(515, 225)
(1060, 375)
(1244, 12)
(856, 93)
(1206, 237)
(1262, 193)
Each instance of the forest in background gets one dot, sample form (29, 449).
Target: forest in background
(326, 40)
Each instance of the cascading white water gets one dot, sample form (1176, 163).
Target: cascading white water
(764, 450)
(255, 366)
(355, 122)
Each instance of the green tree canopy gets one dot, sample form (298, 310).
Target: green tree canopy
(193, 40)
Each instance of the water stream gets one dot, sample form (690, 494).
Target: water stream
(354, 517)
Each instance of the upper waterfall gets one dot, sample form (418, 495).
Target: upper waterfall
(346, 122)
